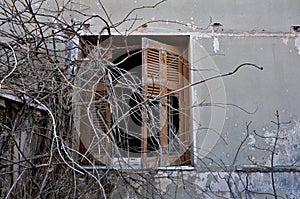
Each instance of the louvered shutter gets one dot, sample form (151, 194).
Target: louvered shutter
(94, 116)
(102, 121)
(164, 71)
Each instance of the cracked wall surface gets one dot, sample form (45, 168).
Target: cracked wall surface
(253, 32)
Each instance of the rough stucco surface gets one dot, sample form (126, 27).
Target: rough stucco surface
(260, 93)
(193, 184)
(243, 183)
(255, 32)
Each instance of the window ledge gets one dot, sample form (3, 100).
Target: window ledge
(176, 168)
(167, 168)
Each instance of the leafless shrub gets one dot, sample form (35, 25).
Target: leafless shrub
(38, 67)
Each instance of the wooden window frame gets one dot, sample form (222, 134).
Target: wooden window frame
(167, 84)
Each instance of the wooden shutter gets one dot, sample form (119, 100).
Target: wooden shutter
(164, 71)
(102, 122)
(95, 122)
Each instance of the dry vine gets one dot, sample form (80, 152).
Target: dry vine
(36, 67)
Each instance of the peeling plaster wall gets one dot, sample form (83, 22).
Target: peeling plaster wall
(253, 96)
(194, 185)
(260, 93)
(256, 32)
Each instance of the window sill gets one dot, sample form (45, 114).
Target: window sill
(167, 168)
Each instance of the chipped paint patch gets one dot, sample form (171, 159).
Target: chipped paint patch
(285, 40)
(288, 146)
(216, 44)
(297, 44)
(251, 140)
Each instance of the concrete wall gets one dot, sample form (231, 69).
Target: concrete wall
(236, 16)
(257, 32)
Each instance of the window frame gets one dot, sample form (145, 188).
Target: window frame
(186, 156)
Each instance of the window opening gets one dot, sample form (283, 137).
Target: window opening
(156, 129)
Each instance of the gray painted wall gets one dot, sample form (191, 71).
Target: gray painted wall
(257, 32)
(236, 16)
